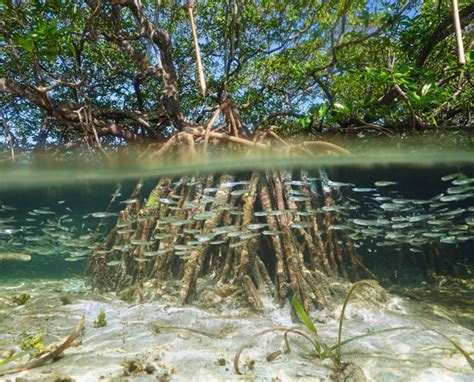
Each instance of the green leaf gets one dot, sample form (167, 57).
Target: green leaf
(425, 89)
(26, 44)
(51, 52)
(415, 96)
(323, 110)
(341, 108)
(303, 315)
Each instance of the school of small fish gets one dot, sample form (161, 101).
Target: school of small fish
(373, 215)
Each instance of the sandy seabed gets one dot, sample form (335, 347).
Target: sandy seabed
(130, 348)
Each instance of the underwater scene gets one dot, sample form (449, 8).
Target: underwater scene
(260, 271)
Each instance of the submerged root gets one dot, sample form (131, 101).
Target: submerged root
(258, 233)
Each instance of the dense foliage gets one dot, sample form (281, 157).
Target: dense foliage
(125, 70)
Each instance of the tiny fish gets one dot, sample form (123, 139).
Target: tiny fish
(363, 189)
(217, 242)
(140, 242)
(331, 183)
(300, 225)
(161, 236)
(455, 197)
(238, 192)
(298, 199)
(248, 235)
(256, 226)
(448, 240)
(11, 256)
(103, 214)
(462, 182)
(43, 212)
(10, 231)
(237, 244)
(385, 183)
(227, 185)
(166, 201)
(458, 190)
(114, 263)
(450, 177)
(8, 208)
(203, 215)
(129, 201)
(270, 233)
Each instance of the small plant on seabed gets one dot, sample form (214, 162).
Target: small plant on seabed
(33, 344)
(321, 349)
(21, 299)
(333, 352)
(100, 321)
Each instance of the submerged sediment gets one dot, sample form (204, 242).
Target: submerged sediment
(158, 339)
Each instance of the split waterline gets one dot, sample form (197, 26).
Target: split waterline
(40, 169)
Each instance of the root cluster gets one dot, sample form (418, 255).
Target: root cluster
(267, 233)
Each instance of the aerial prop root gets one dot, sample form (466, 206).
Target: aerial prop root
(193, 134)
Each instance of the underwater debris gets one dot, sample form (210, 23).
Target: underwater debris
(8, 353)
(127, 294)
(65, 300)
(159, 328)
(149, 368)
(51, 356)
(221, 361)
(132, 367)
(273, 355)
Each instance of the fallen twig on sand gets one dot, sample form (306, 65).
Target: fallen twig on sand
(51, 356)
(159, 328)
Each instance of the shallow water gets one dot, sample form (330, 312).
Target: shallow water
(389, 205)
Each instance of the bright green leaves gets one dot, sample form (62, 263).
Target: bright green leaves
(43, 39)
(26, 43)
(425, 89)
(303, 315)
(340, 108)
(323, 110)
(269, 56)
(43, 29)
(304, 122)
(377, 73)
